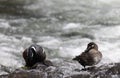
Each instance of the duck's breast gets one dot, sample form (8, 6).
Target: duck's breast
(96, 55)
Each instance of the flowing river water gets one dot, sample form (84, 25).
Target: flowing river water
(63, 28)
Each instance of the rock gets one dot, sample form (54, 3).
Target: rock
(67, 69)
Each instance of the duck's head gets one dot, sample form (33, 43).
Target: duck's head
(90, 46)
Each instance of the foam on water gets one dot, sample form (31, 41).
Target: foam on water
(108, 32)
(71, 26)
(110, 1)
(4, 24)
(50, 42)
(73, 47)
(113, 3)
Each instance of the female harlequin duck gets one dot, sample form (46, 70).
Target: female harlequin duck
(91, 56)
(33, 55)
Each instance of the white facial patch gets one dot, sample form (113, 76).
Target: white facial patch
(93, 45)
(34, 48)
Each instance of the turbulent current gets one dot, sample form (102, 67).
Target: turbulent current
(62, 27)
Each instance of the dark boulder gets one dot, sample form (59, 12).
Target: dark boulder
(67, 70)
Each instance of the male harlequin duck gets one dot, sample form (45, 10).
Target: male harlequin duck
(34, 54)
(91, 56)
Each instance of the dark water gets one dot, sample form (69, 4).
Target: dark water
(62, 27)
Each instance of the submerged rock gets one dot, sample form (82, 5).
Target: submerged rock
(67, 69)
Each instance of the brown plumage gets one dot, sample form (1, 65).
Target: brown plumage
(91, 56)
(33, 55)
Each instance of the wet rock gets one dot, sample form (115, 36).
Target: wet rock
(66, 69)
(104, 71)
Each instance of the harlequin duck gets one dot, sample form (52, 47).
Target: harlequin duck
(91, 56)
(33, 55)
